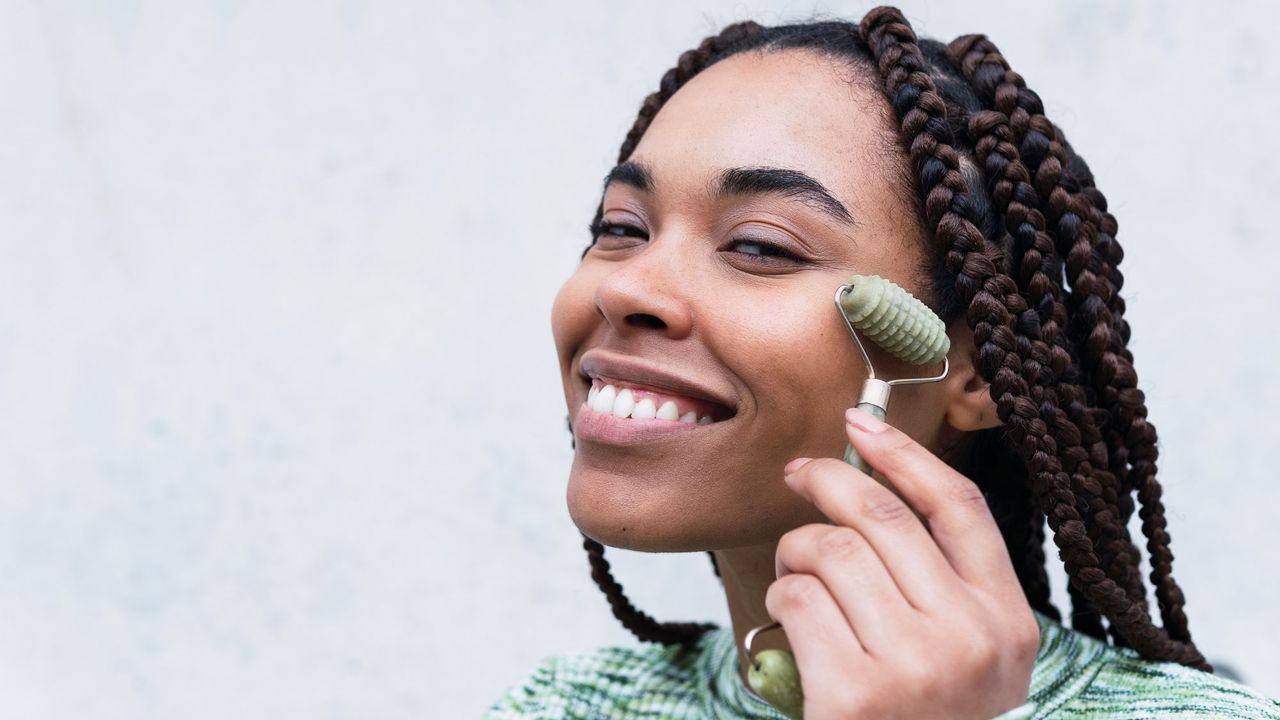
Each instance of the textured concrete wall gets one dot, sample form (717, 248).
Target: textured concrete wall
(281, 431)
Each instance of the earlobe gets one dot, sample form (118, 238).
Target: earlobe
(974, 411)
(969, 403)
(971, 407)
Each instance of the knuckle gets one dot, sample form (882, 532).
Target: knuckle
(793, 592)
(787, 543)
(841, 543)
(919, 675)
(965, 493)
(1028, 646)
(897, 441)
(793, 542)
(885, 507)
(981, 653)
(851, 701)
(895, 451)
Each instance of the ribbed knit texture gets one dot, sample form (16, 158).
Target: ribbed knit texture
(1075, 676)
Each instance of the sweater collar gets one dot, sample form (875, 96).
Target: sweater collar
(1066, 663)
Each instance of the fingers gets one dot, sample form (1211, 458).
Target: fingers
(910, 556)
(826, 648)
(953, 506)
(854, 575)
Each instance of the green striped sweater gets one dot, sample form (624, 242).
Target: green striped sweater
(1075, 676)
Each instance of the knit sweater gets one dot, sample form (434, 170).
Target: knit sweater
(1075, 676)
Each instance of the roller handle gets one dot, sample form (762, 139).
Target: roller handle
(851, 455)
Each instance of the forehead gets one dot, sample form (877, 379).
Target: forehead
(791, 109)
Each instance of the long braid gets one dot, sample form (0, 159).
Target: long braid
(1037, 429)
(996, 310)
(1039, 271)
(1041, 268)
(1000, 87)
(1093, 256)
(1130, 407)
(1005, 328)
(639, 623)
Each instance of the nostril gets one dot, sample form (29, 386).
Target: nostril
(646, 320)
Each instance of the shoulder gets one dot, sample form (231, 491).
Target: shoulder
(1131, 687)
(603, 682)
(1077, 676)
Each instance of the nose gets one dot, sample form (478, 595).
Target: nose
(645, 291)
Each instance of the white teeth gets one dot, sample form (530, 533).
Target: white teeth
(623, 404)
(645, 410)
(609, 400)
(604, 399)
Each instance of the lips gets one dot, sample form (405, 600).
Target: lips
(639, 373)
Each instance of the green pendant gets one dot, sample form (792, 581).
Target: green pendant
(775, 678)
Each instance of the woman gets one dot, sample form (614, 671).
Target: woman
(708, 376)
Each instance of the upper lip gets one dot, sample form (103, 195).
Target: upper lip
(604, 364)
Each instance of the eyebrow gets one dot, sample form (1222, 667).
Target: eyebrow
(737, 181)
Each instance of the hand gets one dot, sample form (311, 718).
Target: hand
(889, 618)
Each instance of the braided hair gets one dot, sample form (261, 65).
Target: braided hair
(1018, 242)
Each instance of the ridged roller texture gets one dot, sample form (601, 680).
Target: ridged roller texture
(895, 320)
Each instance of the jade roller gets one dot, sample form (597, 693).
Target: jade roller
(907, 329)
(896, 321)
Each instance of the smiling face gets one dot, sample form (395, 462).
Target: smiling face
(709, 293)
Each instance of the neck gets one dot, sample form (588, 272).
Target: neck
(747, 573)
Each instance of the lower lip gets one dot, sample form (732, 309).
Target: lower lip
(605, 428)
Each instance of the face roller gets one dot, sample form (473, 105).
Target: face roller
(896, 321)
(907, 329)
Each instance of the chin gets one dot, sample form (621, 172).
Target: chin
(624, 512)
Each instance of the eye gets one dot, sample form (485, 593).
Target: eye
(761, 252)
(764, 251)
(614, 230)
(619, 230)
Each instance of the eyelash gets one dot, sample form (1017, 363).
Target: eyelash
(772, 252)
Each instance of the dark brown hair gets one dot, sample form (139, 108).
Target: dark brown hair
(1019, 242)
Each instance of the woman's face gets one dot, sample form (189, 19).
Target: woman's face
(719, 299)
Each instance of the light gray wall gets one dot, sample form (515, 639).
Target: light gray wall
(281, 431)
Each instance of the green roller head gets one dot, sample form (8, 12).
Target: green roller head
(895, 320)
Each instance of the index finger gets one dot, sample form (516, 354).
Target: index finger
(954, 508)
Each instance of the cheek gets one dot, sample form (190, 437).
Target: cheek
(572, 313)
(800, 350)
(801, 366)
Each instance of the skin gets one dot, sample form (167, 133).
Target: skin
(688, 294)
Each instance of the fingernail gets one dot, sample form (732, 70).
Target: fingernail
(864, 420)
(795, 465)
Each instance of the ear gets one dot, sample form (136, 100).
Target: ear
(968, 395)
